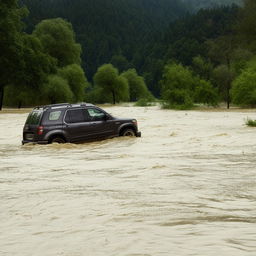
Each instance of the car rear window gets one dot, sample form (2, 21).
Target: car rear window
(34, 117)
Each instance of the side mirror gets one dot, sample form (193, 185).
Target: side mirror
(107, 117)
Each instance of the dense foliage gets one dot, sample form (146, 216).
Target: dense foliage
(202, 4)
(125, 48)
(244, 87)
(11, 43)
(111, 84)
(109, 30)
(181, 88)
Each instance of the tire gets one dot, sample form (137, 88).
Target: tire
(58, 140)
(128, 132)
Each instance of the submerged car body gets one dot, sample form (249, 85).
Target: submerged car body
(74, 123)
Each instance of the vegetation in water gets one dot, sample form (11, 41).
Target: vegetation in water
(250, 122)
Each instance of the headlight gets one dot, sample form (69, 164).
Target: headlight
(135, 122)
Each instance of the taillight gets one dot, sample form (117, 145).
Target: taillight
(40, 130)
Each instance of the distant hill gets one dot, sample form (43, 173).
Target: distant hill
(107, 28)
(141, 34)
(200, 4)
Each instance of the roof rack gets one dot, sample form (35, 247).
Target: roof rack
(62, 105)
(59, 105)
(80, 104)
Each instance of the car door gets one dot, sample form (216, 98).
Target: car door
(103, 124)
(77, 125)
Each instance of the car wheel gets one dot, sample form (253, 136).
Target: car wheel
(58, 140)
(128, 132)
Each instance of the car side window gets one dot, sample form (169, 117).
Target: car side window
(76, 116)
(54, 116)
(96, 114)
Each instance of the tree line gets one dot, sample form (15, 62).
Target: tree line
(45, 66)
(220, 59)
(196, 5)
(109, 31)
(206, 57)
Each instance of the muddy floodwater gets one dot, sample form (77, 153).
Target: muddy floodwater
(186, 187)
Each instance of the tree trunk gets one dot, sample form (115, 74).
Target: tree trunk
(229, 81)
(228, 97)
(53, 101)
(114, 97)
(228, 102)
(1, 97)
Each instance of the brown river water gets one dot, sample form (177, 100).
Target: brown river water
(186, 187)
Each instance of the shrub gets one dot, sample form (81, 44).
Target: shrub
(178, 85)
(250, 122)
(178, 99)
(244, 88)
(205, 93)
(144, 102)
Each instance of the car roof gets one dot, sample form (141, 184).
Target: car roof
(64, 106)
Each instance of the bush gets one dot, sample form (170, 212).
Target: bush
(138, 88)
(178, 86)
(244, 88)
(144, 102)
(178, 99)
(250, 122)
(205, 93)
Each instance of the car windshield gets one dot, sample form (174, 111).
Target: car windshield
(34, 117)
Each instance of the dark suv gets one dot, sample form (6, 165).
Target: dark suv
(66, 122)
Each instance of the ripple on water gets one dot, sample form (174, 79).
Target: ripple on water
(186, 187)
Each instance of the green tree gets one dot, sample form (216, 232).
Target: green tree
(18, 97)
(223, 77)
(107, 78)
(202, 67)
(137, 86)
(240, 59)
(120, 62)
(206, 93)
(177, 86)
(244, 88)
(58, 40)
(221, 51)
(37, 64)
(97, 95)
(32, 74)
(76, 79)
(10, 43)
(56, 90)
(247, 25)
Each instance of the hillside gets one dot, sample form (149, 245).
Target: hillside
(141, 34)
(201, 4)
(109, 30)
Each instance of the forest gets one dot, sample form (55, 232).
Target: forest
(196, 5)
(181, 54)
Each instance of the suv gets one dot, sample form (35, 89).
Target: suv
(66, 122)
